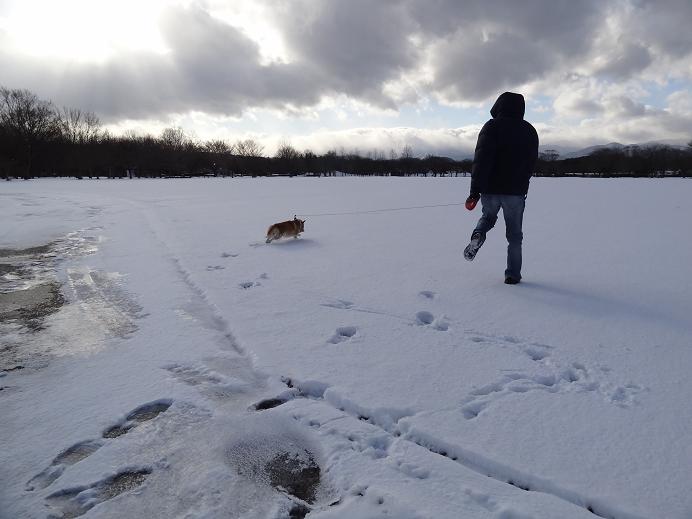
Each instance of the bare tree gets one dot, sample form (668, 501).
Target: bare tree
(29, 118)
(131, 135)
(406, 152)
(287, 159)
(549, 155)
(79, 127)
(218, 146)
(174, 137)
(248, 148)
(286, 152)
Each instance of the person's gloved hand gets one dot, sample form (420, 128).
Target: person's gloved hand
(472, 200)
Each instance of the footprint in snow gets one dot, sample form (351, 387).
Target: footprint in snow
(537, 352)
(424, 318)
(215, 267)
(66, 458)
(624, 396)
(75, 502)
(370, 440)
(250, 284)
(412, 470)
(340, 304)
(342, 334)
(229, 255)
(556, 379)
(138, 416)
(573, 378)
(211, 383)
(82, 450)
(427, 294)
(313, 390)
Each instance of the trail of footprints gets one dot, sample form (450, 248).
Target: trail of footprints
(224, 255)
(74, 502)
(550, 376)
(422, 318)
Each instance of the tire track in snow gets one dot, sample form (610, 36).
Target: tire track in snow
(394, 427)
(203, 308)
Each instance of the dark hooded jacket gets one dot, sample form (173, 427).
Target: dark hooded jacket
(506, 151)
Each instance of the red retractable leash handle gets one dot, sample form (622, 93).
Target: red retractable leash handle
(471, 203)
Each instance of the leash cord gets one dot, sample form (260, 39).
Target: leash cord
(382, 210)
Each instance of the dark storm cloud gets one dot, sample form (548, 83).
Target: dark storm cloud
(664, 24)
(486, 47)
(565, 24)
(357, 45)
(622, 106)
(468, 68)
(472, 50)
(626, 61)
(218, 68)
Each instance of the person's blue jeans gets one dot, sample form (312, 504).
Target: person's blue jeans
(513, 211)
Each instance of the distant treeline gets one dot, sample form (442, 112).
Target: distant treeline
(628, 161)
(38, 139)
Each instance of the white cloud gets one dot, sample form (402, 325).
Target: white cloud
(680, 102)
(455, 142)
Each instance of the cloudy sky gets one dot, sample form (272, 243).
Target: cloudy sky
(360, 74)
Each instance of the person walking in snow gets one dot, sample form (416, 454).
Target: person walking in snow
(506, 154)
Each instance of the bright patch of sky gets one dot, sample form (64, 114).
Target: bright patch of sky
(658, 93)
(82, 30)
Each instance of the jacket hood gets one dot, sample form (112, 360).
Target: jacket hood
(509, 104)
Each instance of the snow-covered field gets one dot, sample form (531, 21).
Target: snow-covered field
(421, 384)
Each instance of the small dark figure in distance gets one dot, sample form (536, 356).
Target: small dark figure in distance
(288, 228)
(506, 154)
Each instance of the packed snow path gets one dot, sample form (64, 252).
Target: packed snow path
(185, 362)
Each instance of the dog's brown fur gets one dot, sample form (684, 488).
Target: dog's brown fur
(289, 228)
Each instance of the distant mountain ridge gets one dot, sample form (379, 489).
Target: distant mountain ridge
(571, 153)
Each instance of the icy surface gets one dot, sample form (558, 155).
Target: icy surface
(192, 368)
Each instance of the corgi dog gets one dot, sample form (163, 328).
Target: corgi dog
(289, 228)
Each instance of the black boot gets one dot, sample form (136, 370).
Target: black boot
(509, 280)
(476, 242)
